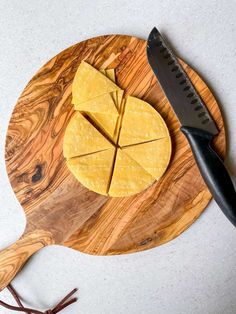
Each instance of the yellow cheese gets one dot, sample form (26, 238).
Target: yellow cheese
(81, 138)
(118, 124)
(94, 170)
(102, 104)
(120, 94)
(106, 122)
(128, 177)
(144, 147)
(141, 123)
(103, 71)
(104, 118)
(110, 73)
(153, 156)
(90, 83)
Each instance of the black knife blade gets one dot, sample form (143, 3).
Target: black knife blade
(187, 104)
(195, 119)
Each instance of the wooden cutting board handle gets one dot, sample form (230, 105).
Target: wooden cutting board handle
(15, 256)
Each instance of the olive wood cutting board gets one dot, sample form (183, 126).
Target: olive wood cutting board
(58, 208)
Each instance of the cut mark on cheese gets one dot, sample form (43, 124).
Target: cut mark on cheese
(112, 170)
(121, 104)
(120, 121)
(101, 104)
(153, 156)
(141, 123)
(105, 122)
(157, 139)
(128, 176)
(99, 151)
(93, 170)
(81, 138)
(89, 117)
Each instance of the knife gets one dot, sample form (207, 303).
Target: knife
(196, 122)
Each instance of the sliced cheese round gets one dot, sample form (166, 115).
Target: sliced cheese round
(120, 145)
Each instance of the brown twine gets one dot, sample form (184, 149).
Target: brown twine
(20, 308)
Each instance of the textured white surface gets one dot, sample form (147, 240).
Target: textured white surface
(196, 273)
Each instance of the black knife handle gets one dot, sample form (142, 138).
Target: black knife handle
(212, 170)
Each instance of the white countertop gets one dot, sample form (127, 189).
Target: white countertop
(195, 273)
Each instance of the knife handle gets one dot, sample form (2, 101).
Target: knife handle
(212, 170)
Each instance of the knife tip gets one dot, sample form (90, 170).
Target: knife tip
(155, 29)
(153, 34)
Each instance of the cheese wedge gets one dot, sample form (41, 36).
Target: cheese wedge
(128, 176)
(105, 119)
(106, 122)
(90, 83)
(103, 71)
(94, 170)
(81, 138)
(141, 123)
(102, 104)
(110, 73)
(120, 95)
(153, 156)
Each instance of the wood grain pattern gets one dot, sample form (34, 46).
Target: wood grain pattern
(14, 257)
(55, 202)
